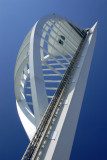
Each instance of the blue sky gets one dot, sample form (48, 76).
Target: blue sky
(16, 19)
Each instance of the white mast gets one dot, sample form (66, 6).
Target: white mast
(54, 53)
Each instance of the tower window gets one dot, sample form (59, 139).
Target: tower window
(61, 40)
(62, 37)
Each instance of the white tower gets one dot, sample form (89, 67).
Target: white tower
(50, 78)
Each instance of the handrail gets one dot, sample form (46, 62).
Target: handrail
(35, 145)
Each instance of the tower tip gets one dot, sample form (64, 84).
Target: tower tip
(93, 27)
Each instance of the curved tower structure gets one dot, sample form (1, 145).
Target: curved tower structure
(51, 71)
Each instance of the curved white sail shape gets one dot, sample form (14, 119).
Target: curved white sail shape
(41, 63)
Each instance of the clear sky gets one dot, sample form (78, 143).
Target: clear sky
(16, 19)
